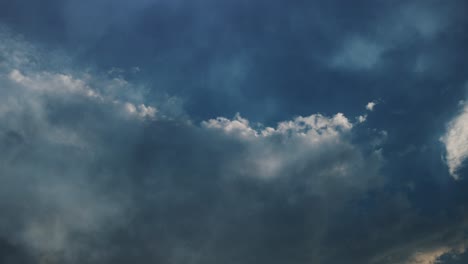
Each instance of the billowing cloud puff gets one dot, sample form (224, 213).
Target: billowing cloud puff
(456, 142)
(141, 110)
(67, 85)
(370, 106)
(300, 147)
(313, 127)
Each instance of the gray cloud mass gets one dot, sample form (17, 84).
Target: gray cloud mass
(157, 131)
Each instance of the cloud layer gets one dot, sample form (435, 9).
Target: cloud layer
(120, 141)
(81, 162)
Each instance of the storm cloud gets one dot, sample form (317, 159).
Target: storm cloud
(233, 132)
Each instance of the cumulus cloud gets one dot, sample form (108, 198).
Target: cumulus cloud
(456, 142)
(141, 110)
(67, 85)
(370, 106)
(305, 147)
(362, 118)
(238, 125)
(314, 126)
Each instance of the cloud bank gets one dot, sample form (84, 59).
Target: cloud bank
(81, 161)
(140, 157)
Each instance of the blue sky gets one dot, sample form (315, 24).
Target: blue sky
(176, 131)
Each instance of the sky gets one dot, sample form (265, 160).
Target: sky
(233, 132)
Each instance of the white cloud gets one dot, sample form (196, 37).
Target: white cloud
(64, 85)
(49, 82)
(362, 118)
(20, 67)
(370, 106)
(311, 127)
(238, 126)
(64, 203)
(456, 142)
(314, 146)
(142, 111)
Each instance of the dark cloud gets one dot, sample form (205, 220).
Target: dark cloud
(125, 161)
(270, 58)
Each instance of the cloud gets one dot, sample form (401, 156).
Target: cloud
(238, 125)
(118, 166)
(362, 118)
(314, 148)
(369, 48)
(141, 110)
(432, 256)
(109, 179)
(433, 249)
(58, 201)
(370, 106)
(96, 164)
(313, 126)
(53, 83)
(456, 142)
